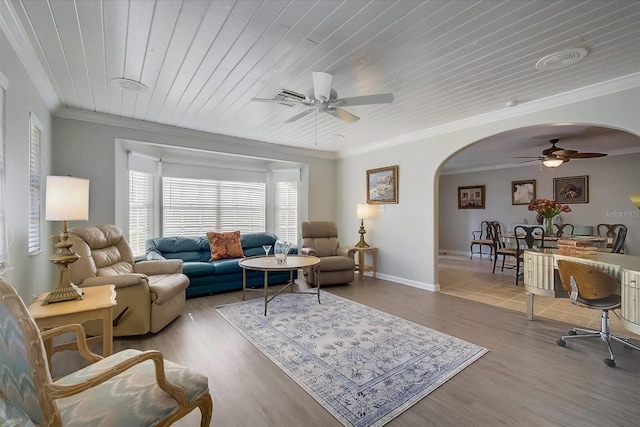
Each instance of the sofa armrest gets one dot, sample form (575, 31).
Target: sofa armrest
(154, 255)
(347, 251)
(119, 281)
(308, 251)
(150, 268)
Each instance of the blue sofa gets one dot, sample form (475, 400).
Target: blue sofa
(222, 275)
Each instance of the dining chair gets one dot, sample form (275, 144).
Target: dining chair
(500, 246)
(616, 234)
(482, 238)
(561, 229)
(527, 238)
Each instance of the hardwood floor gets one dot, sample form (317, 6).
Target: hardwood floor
(524, 380)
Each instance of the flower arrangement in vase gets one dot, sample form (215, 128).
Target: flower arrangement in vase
(548, 209)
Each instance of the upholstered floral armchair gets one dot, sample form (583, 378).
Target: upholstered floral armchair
(129, 388)
(149, 294)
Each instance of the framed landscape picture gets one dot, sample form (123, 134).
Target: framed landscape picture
(523, 192)
(571, 189)
(471, 197)
(382, 185)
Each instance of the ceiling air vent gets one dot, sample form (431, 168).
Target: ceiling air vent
(288, 97)
(561, 59)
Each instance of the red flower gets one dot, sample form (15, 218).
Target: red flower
(548, 208)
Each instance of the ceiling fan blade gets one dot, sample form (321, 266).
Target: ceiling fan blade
(343, 115)
(527, 161)
(321, 85)
(380, 98)
(528, 157)
(299, 116)
(587, 155)
(565, 153)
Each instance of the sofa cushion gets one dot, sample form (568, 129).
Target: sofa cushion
(227, 266)
(198, 269)
(225, 245)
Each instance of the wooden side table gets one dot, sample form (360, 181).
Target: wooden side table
(361, 265)
(97, 304)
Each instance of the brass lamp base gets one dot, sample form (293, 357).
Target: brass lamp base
(362, 231)
(64, 290)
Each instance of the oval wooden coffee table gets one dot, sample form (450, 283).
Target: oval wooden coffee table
(267, 264)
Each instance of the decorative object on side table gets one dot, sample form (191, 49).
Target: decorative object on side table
(362, 213)
(548, 209)
(67, 200)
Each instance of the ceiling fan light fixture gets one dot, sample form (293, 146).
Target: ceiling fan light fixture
(552, 162)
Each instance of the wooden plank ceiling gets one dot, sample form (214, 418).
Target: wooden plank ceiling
(204, 60)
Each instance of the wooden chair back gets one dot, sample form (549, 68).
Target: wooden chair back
(592, 284)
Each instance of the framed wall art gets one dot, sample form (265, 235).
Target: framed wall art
(571, 189)
(523, 192)
(382, 185)
(471, 197)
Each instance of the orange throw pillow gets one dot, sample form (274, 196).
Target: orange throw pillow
(225, 245)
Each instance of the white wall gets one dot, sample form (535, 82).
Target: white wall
(611, 179)
(92, 150)
(408, 233)
(33, 274)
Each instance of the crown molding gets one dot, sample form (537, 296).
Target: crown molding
(581, 94)
(19, 40)
(232, 143)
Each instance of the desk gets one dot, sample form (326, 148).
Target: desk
(361, 265)
(541, 278)
(97, 304)
(267, 264)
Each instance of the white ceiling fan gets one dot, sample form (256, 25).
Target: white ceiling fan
(324, 99)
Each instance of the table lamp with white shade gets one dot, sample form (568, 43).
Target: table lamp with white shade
(362, 213)
(67, 199)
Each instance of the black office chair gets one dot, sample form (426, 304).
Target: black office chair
(594, 289)
(482, 238)
(527, 238)
(616, 234)
(564, 229)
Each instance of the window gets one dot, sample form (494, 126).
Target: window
(191, 207)
(35, 186)
(140, 210)
(286, 211)
(4, 253)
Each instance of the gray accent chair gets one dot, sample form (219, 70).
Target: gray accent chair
(337, 265)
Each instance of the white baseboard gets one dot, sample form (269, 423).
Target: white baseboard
(421, 285)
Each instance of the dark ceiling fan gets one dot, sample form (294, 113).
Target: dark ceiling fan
(324, 99)
(555, 156)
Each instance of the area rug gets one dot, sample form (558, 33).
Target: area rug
(364, 366)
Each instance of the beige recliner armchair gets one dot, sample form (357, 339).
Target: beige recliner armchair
(152, 292)
(337, 266)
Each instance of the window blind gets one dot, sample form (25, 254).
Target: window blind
(191, 207)
(140, 210)
(286, 211)
(35, 186)
(4, 253)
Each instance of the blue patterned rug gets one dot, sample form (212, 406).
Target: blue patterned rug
(364, 366)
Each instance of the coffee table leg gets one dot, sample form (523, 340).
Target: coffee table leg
(316, 278)
(291, 281)
(266, 291)
(244, 283)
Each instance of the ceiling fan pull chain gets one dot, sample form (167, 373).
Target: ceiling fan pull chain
(315, 127)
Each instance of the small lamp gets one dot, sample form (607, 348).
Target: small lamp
(67, 200)
(362, 213)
